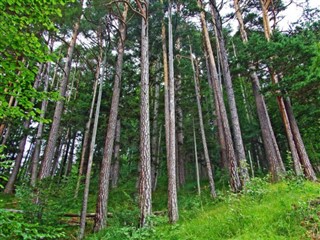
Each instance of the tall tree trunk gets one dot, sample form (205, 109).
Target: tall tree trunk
(304, 159)
(166, 86)
(154, 138)
(56, 157)
(101, 77)
(38, 141)
(171, 162)
(70, 156)
(17, 163)
(235, 182)
(203, 135)
(85, 142)
(299, 155)
(271, 147)
(54, 131)
(196, 159)
(102, 201)
(235, 124)
(145, 188)
(216, 112)
(116, 165)
(179, 113)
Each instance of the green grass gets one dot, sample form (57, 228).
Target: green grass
(286, 210)
(264, 211)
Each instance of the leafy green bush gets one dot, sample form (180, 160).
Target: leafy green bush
(15, 226)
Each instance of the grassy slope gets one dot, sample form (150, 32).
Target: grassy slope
(265, 212)
(271, 212)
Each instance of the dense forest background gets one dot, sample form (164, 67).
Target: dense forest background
(121, 116)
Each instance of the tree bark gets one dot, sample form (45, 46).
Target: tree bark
(54, 131)
(145, 186)
(196, 159)
(116, 165)
(154, 138)
(235, 182)
(101, 77)
(102, 201)
(274, 159)
(304, 159)
(17, 163)
(37, 148)
(171, 162)
(299, 155)
(235, 124)
(203, 135)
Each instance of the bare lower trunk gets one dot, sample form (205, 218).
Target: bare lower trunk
(102, 201)
(145, 187)
(274, 159)
(196, 160)
(235, 124)
(171, 162)
(54, 131)
(203, 135)
(85, 142)
(218, 122)
(101, 76)
(116, 165)
(70, 156)
(154, 138)
(17, 163)
(232, 161)
(303, 156)
(37, 148)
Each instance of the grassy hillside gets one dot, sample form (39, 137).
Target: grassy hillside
(286, 210)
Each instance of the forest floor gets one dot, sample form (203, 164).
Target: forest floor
(286, 210)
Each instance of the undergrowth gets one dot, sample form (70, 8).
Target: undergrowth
(286, 210)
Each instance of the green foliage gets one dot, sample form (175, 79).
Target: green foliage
(22, 48)
(4, 164)
(15, 226)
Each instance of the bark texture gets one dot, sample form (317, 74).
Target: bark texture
(145, 185)
(102, 201)
(235, 182)
(54, 131)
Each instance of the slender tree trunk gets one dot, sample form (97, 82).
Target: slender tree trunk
(154, 138)
(145, 187)
(85, 143)
(56, 157)
(304, 159)
(299, 155)
(37, 148)
(216, 112)
(271, 148)
(116, 166)
(171, 162)
(102, 201)
(179, 113)
(17, 163)
(64, 161)
(196, 159)
(166, 86)
(203, 135)
(158, 160)
(101, 77)
(235, 182)
(54, 131)
(235, 124)
(70, 157)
